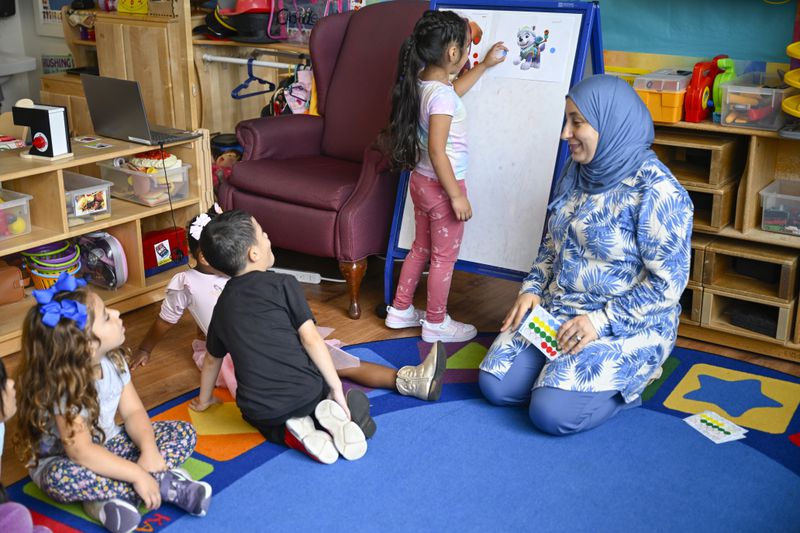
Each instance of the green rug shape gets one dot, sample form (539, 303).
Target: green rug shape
(467, 358)
(668, 368)
(197, 469)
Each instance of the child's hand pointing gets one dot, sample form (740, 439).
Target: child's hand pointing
(496, 54)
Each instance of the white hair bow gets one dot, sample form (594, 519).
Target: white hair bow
(217, 208)
(196, 229)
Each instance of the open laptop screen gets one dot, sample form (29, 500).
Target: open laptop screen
(116, 107)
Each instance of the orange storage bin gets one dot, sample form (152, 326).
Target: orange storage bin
(663, 92)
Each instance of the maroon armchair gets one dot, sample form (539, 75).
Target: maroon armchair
(316, 184)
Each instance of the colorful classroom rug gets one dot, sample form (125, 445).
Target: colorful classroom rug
(461, 464)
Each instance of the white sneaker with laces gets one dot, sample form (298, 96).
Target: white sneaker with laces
(448, 330)
(407, 318)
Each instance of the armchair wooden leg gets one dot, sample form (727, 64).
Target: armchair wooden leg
(353, 272)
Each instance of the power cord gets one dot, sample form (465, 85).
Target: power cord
(166, 181)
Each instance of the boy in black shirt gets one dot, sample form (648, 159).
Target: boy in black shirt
(284, 371)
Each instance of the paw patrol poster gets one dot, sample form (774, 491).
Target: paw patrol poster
(539, 45)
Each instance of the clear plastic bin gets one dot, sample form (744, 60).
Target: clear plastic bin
(754, 101)
(663, 92)
(144, 188)
(87, 198)
(15, 214)
(780, 204)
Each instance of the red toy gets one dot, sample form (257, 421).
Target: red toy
(164, 249)
(698, 95)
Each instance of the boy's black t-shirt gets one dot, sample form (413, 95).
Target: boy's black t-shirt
(256, 320)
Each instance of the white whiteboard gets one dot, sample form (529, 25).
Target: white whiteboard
(514, 124)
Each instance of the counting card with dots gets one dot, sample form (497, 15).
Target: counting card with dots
(715, 427)
(541, 328)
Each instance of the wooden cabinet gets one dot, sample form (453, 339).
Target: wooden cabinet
(66, 90)
(156, 51)
(128, 221)
(744, 290)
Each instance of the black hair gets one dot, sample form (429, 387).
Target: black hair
(433, 34)
(194, 244)
(226, 241)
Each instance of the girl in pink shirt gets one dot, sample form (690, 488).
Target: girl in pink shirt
(427, 135)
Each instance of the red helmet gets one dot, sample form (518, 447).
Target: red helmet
(237, 7)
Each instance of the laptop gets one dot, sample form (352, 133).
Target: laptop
(117, 111)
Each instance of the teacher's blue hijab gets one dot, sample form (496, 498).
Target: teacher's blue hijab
(613, 108)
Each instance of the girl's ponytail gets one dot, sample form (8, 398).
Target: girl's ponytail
(402, 132)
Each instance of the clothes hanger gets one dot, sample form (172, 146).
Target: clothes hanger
(237, 92)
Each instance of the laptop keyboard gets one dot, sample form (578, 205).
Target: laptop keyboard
(159, 137)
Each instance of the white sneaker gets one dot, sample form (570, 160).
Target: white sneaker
(448, 330)
(317, 444)
(407, 318)
(347, 436)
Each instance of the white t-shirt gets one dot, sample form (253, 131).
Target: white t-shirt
(109, 391)
(438, 98)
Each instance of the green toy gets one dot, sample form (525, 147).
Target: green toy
(729, 72)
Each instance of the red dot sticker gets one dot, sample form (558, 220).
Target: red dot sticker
(475, 55)
(475, 63)
(544, 346)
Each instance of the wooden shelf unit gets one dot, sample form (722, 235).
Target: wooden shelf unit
(128, 221)
(765, 157)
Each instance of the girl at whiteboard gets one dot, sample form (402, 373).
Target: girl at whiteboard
(612, 267)
(427, 134)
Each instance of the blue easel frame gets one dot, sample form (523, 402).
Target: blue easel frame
(590, 46)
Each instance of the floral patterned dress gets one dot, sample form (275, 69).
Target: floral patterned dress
(622, 258)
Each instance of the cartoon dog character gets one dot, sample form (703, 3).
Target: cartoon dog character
(531, 47)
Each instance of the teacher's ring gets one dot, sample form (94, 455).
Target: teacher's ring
(578, 338)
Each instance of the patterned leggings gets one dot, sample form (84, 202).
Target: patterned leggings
(66, 481)
(437, 237)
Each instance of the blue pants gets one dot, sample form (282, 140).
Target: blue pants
(554, 411)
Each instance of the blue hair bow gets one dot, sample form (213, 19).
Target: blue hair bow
(52, 312)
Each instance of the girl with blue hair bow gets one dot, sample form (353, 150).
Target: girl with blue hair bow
(611, 267)
(75, 380)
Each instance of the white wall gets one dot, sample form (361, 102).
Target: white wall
(11, 42)
(18, 35)
(36, 45)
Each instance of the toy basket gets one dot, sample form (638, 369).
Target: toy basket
(45, 263)
(58, 255)
(42, 280)
(62, 262)
(44, 252)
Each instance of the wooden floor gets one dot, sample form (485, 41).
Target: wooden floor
(479, 300)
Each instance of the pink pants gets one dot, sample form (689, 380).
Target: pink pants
(438, 238)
